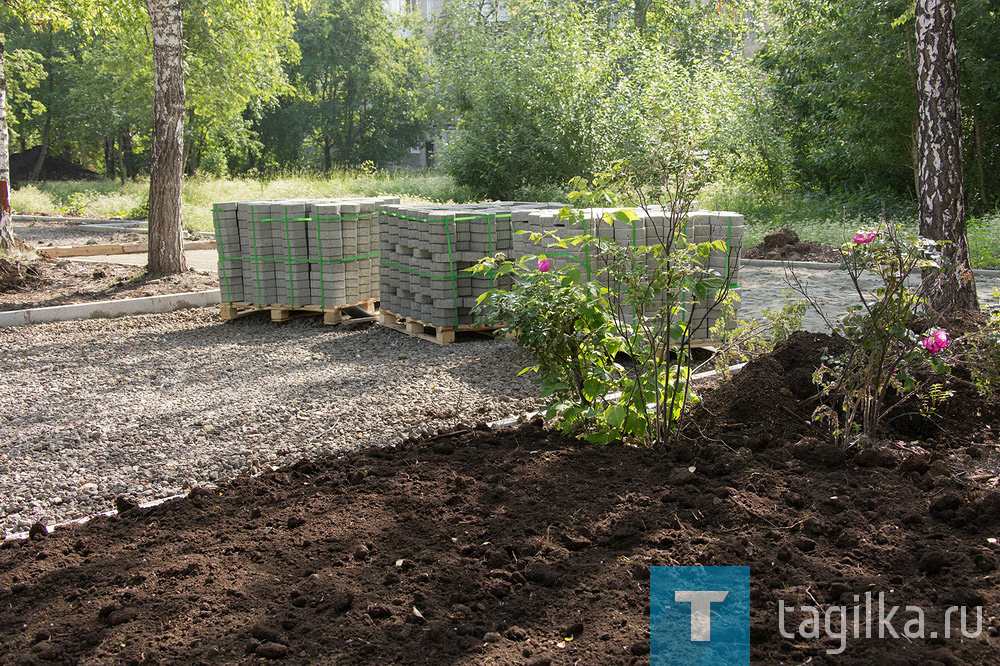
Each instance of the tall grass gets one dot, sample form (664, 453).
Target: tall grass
(107, 198)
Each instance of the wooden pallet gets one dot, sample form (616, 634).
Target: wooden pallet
(126, 248)
(442, 335)
(279, 312)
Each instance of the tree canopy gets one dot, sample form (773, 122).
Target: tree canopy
(781, 93)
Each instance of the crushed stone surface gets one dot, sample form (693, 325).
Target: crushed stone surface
(150, 406)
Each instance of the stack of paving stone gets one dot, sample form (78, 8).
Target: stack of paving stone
(299, 253)
(426, 249)
(650, 228)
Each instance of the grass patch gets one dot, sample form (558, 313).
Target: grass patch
(108, 198)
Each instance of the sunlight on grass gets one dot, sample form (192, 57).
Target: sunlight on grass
(106, 198)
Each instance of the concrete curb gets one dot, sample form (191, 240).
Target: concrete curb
(774, 263)
(829, 266)
(106, 309)
(61, 251)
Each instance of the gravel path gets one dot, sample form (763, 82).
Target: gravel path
(762, 288)
(149, 406)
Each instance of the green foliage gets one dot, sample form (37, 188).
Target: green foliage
(359, 89)
(842, 77)
(77, 204)
(558, 89)
(576, 324)
(98, 61)
(523, 90)
(984, 240)
(25, 73)
(982, 355)
(108, 197)
(885, 353)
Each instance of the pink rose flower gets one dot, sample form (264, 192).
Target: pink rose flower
(937, 342)
(544, 265)
(863, 237)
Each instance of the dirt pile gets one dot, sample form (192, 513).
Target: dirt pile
(17, 276)
(769, 399)
(54, 168)
(785, 245)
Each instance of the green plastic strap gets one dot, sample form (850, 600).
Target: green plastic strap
(343, 218)
(288, 244)
(451, 266)
(729, 244)
(490, 223)
(308, 261)
(407, 269)
(457, 219)
(256, 260)
(222, 263)
(319, 250)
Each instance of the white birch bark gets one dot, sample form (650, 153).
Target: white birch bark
(6, 223)
(939, 136)
(166, 242)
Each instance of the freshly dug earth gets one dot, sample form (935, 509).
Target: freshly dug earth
(785, 245)
(520, 547)
(38, 284)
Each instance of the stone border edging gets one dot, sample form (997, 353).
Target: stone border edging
(106, 309)
(830, 266)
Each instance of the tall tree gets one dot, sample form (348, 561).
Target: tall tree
(166, 242)
(939, 177)
(6, 225)
(361, 84)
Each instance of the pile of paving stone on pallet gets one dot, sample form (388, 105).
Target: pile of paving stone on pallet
(331, 253)
(298, 253)
(651, 227)
(426, 249)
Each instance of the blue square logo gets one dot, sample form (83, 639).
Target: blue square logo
(699, 616)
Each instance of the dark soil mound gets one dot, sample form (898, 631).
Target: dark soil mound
(785, 245)
(54, 168)
(520, 547)
(768, 400)
(16, 276)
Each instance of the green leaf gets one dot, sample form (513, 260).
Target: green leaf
(615, 415)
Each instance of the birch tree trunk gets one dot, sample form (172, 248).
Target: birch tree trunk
(166, 242)
(939, 134)
(6, 222)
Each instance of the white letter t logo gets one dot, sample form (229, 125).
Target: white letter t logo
(701, 611)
